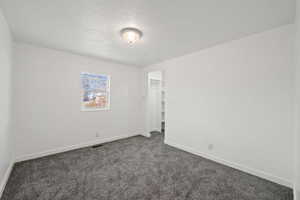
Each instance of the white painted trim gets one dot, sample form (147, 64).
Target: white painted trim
(72, 147)
(5, 178)
(240, 167)
(296, 194)
(146, 135)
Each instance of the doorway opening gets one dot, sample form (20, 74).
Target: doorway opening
(156, 102)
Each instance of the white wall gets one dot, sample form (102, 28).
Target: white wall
(47, 101)
(6, 137)
(238, 97)
(297, 108)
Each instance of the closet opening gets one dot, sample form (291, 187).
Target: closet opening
(156, 102)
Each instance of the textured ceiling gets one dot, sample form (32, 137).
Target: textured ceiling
(171, 27)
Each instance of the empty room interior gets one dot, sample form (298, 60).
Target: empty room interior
(150, 100)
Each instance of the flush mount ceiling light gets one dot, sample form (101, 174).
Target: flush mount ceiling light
(131, 35)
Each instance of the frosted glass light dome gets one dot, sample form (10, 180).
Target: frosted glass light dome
(131, 35)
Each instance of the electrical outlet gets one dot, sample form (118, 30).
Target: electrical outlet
(210, 147)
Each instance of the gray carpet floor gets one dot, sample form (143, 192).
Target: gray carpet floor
(136, 168)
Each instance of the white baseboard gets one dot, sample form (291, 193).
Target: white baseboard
(248, 170)
(72, 147)
(5, 178)
(146, 135)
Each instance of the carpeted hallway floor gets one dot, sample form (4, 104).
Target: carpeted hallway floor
(136, 168)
